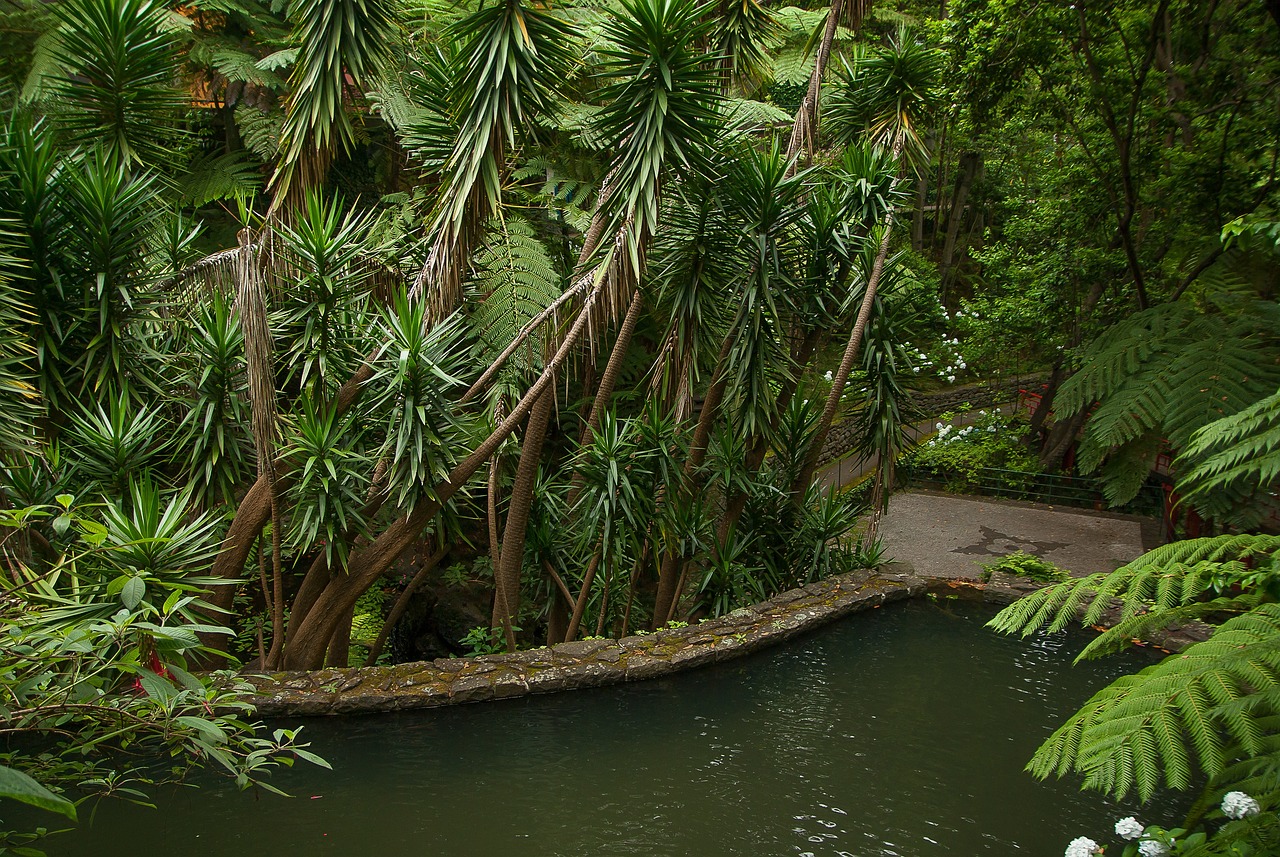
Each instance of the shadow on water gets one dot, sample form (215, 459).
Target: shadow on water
(899, 732)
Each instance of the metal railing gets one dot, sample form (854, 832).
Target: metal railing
(1048, 488)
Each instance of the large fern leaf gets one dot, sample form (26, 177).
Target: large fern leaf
(515, 279)
(1237, 455)
(1166, 373)
(1164, 585)
(1213, 702)
(214, 177)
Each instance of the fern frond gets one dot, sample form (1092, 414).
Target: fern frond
(260, 131)
(1159, 583)
(1212, 702)
(793, 65)
(1237, 452)
(215, 177)
(516, 280)
(242, 67)
(1110, 360)
(746, 114)
(278, 60)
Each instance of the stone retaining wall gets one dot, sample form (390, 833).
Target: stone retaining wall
(580, 664)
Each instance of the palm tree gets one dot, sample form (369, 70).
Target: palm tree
(659, 115)
(762, 196)
(336, 39)
(885, 95)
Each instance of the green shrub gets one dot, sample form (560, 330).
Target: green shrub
(958, 456)
(1025, 565)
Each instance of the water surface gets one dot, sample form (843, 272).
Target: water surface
(902, 731)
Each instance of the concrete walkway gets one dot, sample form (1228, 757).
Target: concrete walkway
(944, 535)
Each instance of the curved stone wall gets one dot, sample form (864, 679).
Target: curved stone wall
(580, 664)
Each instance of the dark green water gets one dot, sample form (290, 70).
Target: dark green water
(898, 732)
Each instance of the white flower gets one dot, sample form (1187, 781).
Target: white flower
(827, 376)
(938, 426)
(1129, 828)
(1082, 846)
(1153, 848)
(1238, 805)
(951, 377)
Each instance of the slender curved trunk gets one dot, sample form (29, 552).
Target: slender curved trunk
(402, 603)
(755, 456)
(804, 129)
(851, 350)
(669, 573)
(339, 653)
(369, 562)
(255, 508)
(580, 606)
(608, 381)
(506, 576)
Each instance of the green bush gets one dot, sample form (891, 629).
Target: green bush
(959, 456)
(1025, 565)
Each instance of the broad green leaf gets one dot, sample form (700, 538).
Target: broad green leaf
(20, 787)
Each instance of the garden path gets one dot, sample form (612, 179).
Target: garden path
(945, 535)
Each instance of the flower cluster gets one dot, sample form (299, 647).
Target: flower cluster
(951, 434)
(1129, 828)
(1082, 846)
(1239, 805)
(950, 356)
(1156, 841)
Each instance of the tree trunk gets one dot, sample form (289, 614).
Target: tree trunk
(340, 643)
(1060, 438)
(668, 573)
(737, 504)
(804, 129)
(970, 166)
(581, 606)
(369, 562)
(506, 576)
(801, 484)
(608, 381)
(402, 604)
(917, 216)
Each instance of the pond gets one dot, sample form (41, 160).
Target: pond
(902, 731)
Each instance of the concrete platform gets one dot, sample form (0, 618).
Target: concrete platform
(945, 535)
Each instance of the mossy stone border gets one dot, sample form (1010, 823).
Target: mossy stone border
(583, 663)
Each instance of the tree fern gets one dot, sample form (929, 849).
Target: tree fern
(745, 114)
(260, 131)
(223, 176)
(1215, 702)
(1164, 585)
(1166, 373)
(516, 279)
(1237, 455)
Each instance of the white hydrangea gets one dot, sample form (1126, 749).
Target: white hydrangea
(1082, 846)
(1238, 805)
(1129, 828)
(1153, 848)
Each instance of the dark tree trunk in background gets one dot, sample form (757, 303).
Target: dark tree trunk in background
(969, 170)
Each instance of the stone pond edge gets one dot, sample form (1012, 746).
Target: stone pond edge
(583, 663)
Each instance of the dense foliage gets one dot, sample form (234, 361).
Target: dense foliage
(300, 298)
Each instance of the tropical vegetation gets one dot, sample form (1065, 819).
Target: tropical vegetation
(306, 307)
